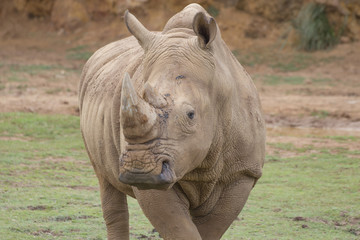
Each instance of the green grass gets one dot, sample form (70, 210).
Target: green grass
(34, 69)
(321, 81)
(78, 48)
(320, 113)
(293, 63)
(49, 190)
(283, 146)
(16, 78)
(276, 59)
(213, 11)
(22, 87)
(21, 73)
(279, 80)
(54, 90)
(315, 196)
(344, 138)
(31, 69)
(79, 53)
(281, 61)
(314, 29)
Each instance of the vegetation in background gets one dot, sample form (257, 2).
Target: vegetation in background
(49, 190)
(320, 113)
(213, 11)
(327, 81)
(79, 53)
(31, 69)
(289, 61)
(15, 78)
(278, 80)
(21, 73)
(314, 28)
(276, 59)
(19, 77)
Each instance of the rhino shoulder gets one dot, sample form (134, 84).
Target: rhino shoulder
(104, 67)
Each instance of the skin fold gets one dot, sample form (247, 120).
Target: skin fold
(172, 119)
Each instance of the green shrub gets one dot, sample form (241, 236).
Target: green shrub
(314, 28)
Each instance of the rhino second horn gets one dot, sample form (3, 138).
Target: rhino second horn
(138, 118)
(153, 97)
(144, 36)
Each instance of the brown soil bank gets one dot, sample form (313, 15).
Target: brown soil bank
(44, 44)
(70, 15)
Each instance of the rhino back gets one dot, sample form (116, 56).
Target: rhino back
(99, 104)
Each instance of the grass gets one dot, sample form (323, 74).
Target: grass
(280, 60)
(35, 69)
(79, 53)
(54, 90)
(320, 113)
(276, 59)
(344, 138)
(314, 28)
(213, 11)
(322, 80)
(22, 87)
(303, 198)
(278, 80)
(295, 63)
(283, 146)
(49, 190)
(15, 78)
(19, 73)
(31, 69)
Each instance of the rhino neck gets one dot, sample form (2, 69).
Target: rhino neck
(244, 128)
(199, 184)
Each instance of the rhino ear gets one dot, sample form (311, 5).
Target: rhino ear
(205, 28)
(144, 36)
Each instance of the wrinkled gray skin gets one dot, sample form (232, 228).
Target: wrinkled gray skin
(184, 135)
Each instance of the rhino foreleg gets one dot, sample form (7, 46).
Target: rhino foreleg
(228, 207)
(167, 213)
(115, 211)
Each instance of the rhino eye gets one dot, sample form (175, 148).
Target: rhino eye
(191, 114)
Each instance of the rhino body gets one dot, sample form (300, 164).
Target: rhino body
(184, 135)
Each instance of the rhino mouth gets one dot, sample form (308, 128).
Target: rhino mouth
(149, 180)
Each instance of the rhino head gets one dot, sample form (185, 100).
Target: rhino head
(169, 122)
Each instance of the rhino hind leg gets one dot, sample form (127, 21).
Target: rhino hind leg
(228, 207)
(115, 210)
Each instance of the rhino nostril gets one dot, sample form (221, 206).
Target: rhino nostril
(165, 166)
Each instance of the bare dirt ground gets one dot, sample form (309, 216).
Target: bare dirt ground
(40, 69)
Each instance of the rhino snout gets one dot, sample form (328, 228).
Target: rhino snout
(149, 180)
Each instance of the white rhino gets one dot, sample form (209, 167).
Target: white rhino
(184, 135)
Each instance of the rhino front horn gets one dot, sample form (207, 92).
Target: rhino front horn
(138, 119)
